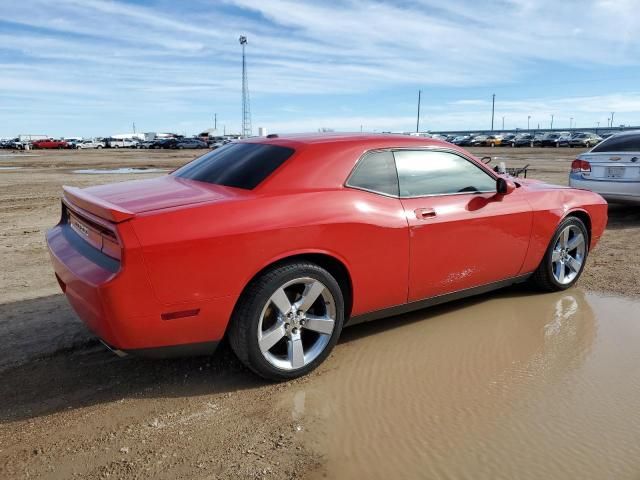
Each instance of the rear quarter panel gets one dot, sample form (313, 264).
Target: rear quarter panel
(213, 250)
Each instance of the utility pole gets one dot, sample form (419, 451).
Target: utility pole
(570, 123)
(612, 114)
(551, 121)
(503, 122)
(246, 109)
(134, 127)
(528, 121)
(418, 119)
(215, 122)
(493, 109)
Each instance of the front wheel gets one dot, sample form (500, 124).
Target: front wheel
(287, 321)
(565, 257)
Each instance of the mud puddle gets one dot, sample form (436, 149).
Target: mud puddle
(515, 385)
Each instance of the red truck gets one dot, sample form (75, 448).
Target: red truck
(50, 143)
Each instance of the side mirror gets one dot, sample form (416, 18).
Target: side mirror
(504, 186)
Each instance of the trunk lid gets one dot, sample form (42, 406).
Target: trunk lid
(118, 202)
(623, 166)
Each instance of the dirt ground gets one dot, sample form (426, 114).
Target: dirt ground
(70, 409)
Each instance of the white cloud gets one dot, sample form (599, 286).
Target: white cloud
(178, 56)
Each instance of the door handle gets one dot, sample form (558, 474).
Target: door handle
(424, 213)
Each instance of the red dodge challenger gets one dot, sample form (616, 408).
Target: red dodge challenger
(278, 243)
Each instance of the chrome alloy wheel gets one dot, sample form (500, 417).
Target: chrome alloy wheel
(296, 323)
(568, 255)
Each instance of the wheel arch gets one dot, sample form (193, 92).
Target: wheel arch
(584, 216)
(331, 263)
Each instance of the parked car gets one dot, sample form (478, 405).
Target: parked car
(522, 140)
(507, 140)
(277, 243)
(550, 139)
(163, 143)
(84, 144)
(584, 140)
(145, 144)
(189, 143)
(463, 140)
(486, 141)
(611, 168)
(479, 141)
(49, 143)
(121, 143)
(565, 139)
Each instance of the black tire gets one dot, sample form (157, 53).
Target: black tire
(543, 277)
(244, 323)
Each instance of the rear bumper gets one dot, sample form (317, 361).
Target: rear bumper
(612, 191)
(117, 303)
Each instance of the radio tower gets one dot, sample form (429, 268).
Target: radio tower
(246, 108)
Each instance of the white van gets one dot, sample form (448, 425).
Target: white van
(123, 143)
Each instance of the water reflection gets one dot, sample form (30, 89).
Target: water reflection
(515, 385)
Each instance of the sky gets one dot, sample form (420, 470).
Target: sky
(94, 67)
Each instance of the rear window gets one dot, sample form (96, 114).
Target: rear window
(376, 172)
(622, 143)
(240, 165)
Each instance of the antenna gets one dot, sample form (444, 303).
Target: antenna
(246, 109)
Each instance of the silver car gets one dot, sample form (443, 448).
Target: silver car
(611, 168)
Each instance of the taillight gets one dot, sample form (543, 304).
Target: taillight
(98, 235)
(110, 246)
(580, 166)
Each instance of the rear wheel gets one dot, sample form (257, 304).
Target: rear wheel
(565, 257)
(287, 321)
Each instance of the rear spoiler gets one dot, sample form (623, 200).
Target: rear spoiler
(96, 205)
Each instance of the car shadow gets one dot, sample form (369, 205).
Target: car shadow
(623, 216)
(73, 370)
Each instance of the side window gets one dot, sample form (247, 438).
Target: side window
(422, 172)
(376, 172)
